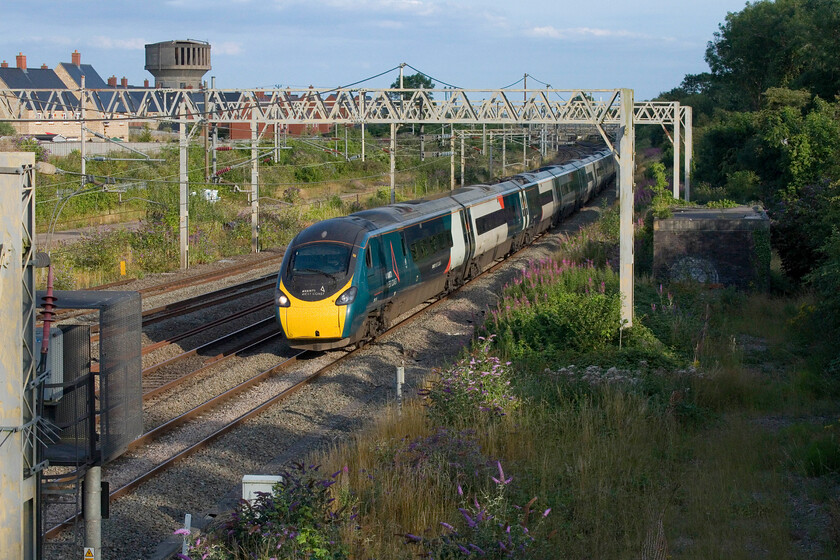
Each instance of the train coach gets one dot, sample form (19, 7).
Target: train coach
(343, 281)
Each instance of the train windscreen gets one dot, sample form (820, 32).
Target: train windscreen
(329, 259)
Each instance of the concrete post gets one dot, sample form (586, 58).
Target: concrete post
(524, 150)
(627, 141)
(255, 186)
(689, 147)
(451, 160)
(93, 510)
(504, 151)
(400, 383)
(205, 133)
(393, 151)
(677, 162)
(183, 198)
(463, 160)
(213, 148)
(363, 142)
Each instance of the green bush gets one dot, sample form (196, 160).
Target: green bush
(554, 305)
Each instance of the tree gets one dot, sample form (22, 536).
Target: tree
(414, 81)
(757, 49)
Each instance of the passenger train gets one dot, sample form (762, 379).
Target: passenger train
(343, 281)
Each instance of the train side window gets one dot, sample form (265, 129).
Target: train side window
(368, 259)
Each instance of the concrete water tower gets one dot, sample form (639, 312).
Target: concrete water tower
(178, 64)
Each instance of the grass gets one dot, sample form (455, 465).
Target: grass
(711, 429)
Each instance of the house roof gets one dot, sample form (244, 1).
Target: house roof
(33, 78)
(92, 78)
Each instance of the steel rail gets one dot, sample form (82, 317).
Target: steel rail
(131, 486)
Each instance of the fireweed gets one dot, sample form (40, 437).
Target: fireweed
(490, 527)
(575, 306)
(299, 519)
(475, 387)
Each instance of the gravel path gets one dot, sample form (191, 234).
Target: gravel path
(329, 410)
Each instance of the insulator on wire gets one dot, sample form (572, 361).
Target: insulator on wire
(223, 170)
(224, 148)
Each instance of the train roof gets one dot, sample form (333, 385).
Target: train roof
(347, 229)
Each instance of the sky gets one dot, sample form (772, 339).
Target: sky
(647, 45)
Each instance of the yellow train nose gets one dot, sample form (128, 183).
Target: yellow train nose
(313, 319)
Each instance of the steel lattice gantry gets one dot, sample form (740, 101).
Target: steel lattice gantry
(612, 112)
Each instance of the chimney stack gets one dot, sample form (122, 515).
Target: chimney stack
(44, 66)
(145, 83)
(21, 61)
(112, 81)
(76, 57)
(124, 82)
(4, 64)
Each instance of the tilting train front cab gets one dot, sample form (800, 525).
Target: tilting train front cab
(314, 296)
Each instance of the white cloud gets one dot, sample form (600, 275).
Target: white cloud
(551, 32)
(123, 44)
(228, 47)
(416, 7)
(389, 24)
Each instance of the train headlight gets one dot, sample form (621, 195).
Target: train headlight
(348, 297)
(281, 299)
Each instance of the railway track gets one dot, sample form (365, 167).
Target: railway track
(243, 390)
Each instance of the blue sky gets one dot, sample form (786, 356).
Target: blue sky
(647, 45)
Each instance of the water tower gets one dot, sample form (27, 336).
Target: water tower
(178, 64)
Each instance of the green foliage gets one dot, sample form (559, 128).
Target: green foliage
(6, 129)
(763, 254)
(722, 203)
(803, 224)
(742, 186)
(825, 280)
(414, 81)
(29, 144)
(557, 306)
(299, 519)
(815, 449)
(756, 49)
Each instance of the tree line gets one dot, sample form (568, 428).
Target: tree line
(767, 129)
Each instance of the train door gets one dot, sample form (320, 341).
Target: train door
(375, 265)
(460, 241)
(396, 262)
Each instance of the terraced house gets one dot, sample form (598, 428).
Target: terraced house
(29, 90)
